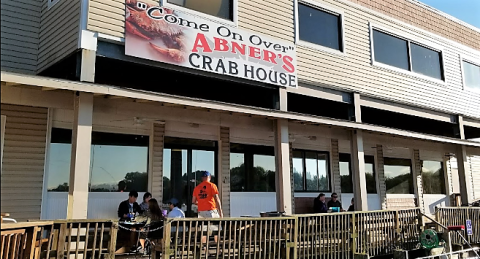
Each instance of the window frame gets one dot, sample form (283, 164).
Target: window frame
(230, 23)
(52, 3)
(304, 177)
(395, 33)
(462, 69)
(325, 8)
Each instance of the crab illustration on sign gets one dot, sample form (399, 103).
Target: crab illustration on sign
(142, 25)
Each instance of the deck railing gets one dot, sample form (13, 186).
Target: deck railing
(454, 216)
(230, 238)
(338, 235)
(24, 240)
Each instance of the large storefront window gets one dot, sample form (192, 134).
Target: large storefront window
(346, 178)
(398, 176)
(371, 179)
(346, 174)
(311, 171)
(252, 168)
(433, 177)
(118, 162)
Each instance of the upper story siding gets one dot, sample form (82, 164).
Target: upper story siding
(353, 70)
(59, 31)
(19, 35)
(422, 16)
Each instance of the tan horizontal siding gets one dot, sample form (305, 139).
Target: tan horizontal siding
(59, 32)
(23, 161)
(354, 72)
(20, 26)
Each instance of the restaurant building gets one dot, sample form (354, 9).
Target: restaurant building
(279, 100)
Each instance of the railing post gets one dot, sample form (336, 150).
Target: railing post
(167, 231)
(61, 240)
(354, 234)
(398, 228)
(113, 240)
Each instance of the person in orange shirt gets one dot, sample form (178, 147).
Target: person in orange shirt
(205, 195)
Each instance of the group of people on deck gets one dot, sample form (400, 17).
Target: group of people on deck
(205, 196)
(334, 205)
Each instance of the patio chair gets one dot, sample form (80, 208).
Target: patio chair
(154, 239)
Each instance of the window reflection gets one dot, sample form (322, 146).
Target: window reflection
(390, 50)
(433, 177)
(370, 177)
(310, 171)
(252, 168)
(346, 173)
(118, 162)
(398, 176)
(471, 74)
(319, 27)
(426, 61)
(298, 170)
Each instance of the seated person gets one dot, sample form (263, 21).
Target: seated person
(334, 203)
(144, 205)
(129, 205)
(175, 212)
(154, 215)
(319, 205)
(352, 207)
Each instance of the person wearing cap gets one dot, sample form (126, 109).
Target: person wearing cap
(175, 212)
(334, 203)
(205, 195)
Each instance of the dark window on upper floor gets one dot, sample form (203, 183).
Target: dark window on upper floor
(471, 75)
(426, 61)
(319, 27)
(218, 8)
(404, 54)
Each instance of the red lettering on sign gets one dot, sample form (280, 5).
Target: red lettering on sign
(254, 52)
(237, 47)
(201, 42)
(221, 44)
(287, 64)
(269, 56)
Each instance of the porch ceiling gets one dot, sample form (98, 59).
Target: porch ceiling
(112, 92)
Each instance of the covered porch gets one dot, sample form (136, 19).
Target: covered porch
(55, 132)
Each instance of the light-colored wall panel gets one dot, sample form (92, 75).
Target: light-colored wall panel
(59, 32)
(20, 29)
(23, 161)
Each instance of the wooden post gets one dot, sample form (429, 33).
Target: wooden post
(464, 175)
(80, 160)
(113, 240)
(282, 167)
(358, 166)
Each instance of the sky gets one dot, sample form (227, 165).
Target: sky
(465, 10)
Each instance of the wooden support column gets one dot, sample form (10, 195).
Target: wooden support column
(358, 168)
(464, 175)
(224, 169)
(380, 171)
(282, 167)
(80, 159)
(417, 179)
(156, 160)
(335, 160)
